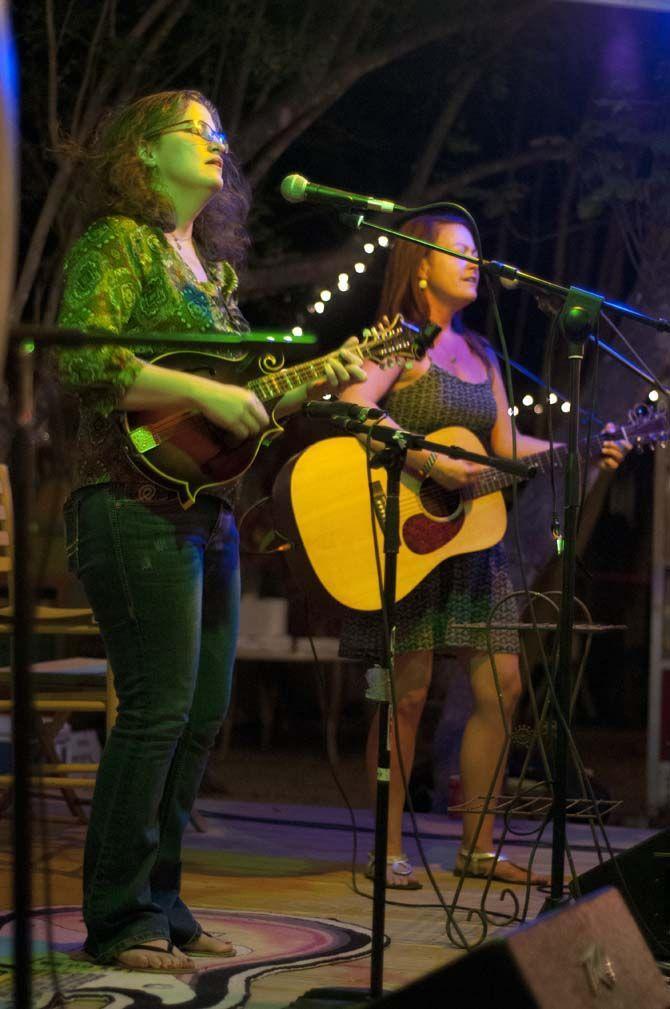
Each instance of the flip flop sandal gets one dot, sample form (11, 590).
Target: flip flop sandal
(152, 970)
(203, 953)
(400, 866)
(476, 869)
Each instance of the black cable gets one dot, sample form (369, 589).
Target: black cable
(662, 388)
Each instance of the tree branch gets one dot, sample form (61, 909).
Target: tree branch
(88, 70)
(457, 99)
(294, 102)
(52, 74)
(38, 238)
(459, 181)
(145, 22)
(242, 78)
(152, 45)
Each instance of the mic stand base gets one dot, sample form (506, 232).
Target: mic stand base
(392, 458)
(578, 318)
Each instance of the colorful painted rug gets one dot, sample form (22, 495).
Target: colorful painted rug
(265, 943)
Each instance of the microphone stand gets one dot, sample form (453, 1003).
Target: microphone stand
(392, 458)
(578, 320)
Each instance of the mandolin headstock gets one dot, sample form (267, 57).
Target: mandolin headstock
(391, 343)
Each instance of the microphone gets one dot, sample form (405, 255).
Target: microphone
(339, 410)
(297, 189)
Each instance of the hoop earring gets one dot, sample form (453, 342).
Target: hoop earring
(423, 284)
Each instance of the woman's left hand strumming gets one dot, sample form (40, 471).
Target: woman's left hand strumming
(612, 453)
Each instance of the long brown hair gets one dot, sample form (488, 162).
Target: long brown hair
(401, 291)
(121, 183)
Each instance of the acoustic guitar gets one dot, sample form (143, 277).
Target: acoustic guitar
(183, 451)
(322, 502)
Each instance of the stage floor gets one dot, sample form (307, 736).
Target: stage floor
(277, 879)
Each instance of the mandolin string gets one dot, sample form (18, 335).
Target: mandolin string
(172, 420)
(292, 377)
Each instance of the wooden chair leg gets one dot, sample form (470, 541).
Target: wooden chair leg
(46, 735)
(6, 799)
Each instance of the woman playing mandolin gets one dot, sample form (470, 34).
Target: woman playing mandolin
(457, 383)
(163, 581)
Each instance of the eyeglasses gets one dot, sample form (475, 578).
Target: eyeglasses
(199, 129)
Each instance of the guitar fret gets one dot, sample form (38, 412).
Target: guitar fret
(492, 480)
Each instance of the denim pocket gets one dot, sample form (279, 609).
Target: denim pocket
(71, 518)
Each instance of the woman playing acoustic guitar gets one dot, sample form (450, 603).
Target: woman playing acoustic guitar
(457, 383)
(163, 581)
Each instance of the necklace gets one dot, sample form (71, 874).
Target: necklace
(178, 241)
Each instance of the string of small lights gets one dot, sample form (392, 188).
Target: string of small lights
(319, 305)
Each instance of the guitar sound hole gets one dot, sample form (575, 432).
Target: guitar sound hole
(440, 502)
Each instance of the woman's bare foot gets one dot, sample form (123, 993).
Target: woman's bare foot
(158, 954)
(210, 945)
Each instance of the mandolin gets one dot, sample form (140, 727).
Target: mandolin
(183, 451)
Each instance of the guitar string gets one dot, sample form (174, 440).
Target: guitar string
(490, 481)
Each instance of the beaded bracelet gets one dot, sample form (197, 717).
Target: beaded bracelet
(428, 465)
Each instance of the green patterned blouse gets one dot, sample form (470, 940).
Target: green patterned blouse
(125, 277)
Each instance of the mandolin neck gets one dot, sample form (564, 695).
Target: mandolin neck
(274, 385)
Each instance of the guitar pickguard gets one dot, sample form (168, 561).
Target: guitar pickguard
(423, 535)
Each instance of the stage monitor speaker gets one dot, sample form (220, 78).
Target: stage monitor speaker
(590, 954)
(642, 876)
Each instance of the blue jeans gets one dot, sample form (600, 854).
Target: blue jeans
(164, 586)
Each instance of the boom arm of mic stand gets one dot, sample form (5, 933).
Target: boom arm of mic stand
(409, 440)
(509, 272)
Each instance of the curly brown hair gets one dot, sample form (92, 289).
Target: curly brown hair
(401, 291)
(121, 183)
